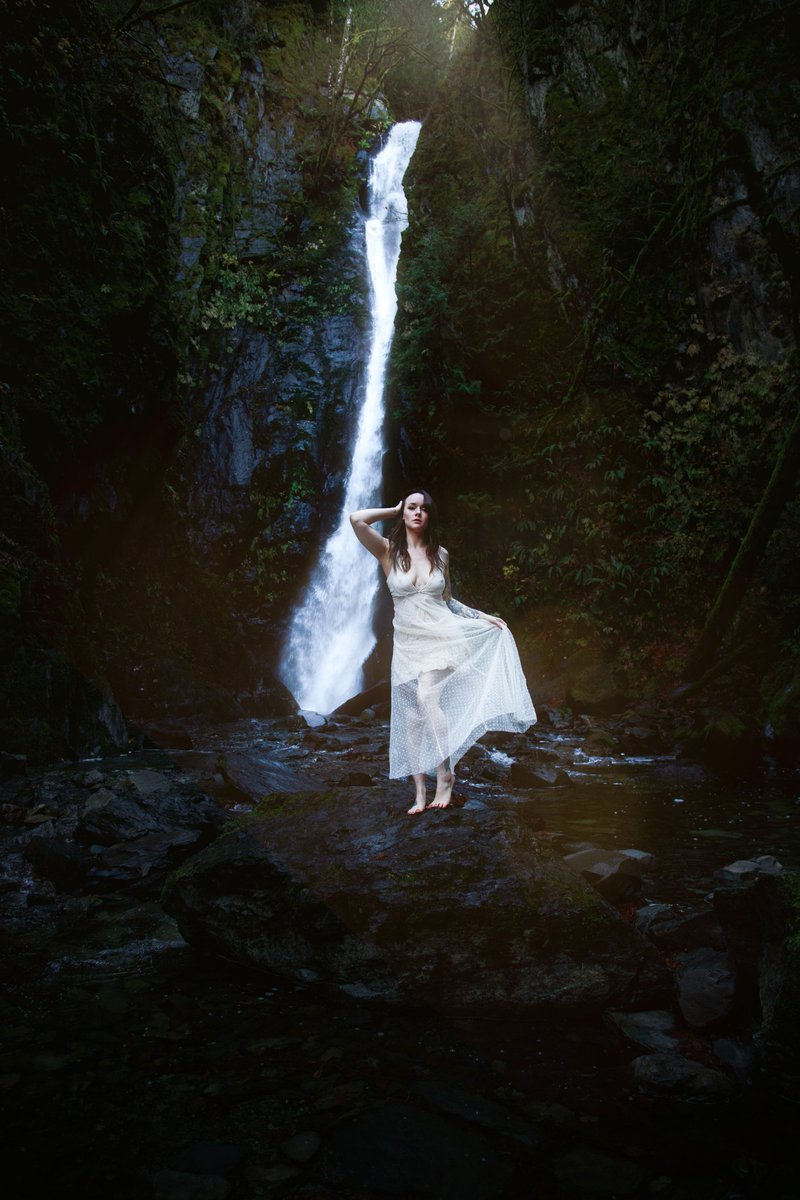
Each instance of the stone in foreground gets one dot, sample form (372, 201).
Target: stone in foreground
(460, 908)
(676, 1078)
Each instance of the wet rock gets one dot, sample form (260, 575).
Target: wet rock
(654, 1030)
(58, 860)
(585, 1169)
(109, 817)
(555, 718)
(153, 805)
(315, 741)
(706, 987)
(739, 1057)
(130, 861)
(686, 930)
(677, 1078)
(273, 701)
(615, 874)
(313, 720)
(600, 743)
(148, 783)
(529, 773)
(380, 692)
(41, 815)
(642, 739)
(92, 779)
(650, 914)
(484, 770)
(510, 743)
(744, 870)
(258, 774)
(463, 907)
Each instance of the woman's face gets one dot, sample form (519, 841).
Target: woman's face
(415, 512)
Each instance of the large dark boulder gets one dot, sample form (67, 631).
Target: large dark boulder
(463, 908)
(150, 803)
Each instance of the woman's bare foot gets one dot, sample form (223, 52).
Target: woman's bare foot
(444, 791)
(421, 802)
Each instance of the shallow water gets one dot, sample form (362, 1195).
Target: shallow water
(693, 819)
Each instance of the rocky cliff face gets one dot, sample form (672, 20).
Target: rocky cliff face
(596, 301)
(288, 371)
(222, 328)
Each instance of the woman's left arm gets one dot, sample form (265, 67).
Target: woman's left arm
(463, 610)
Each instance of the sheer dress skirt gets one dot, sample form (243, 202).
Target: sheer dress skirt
(453, 679)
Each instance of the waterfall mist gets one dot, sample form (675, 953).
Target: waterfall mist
(331, 633)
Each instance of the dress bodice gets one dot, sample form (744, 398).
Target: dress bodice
(401, 583)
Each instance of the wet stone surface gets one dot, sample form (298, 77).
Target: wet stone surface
(134, 1066)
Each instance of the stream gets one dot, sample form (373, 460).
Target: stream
(133, 1066)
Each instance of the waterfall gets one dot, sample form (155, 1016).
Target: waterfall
(331, 633)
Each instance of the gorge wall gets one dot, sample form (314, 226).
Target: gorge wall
(594, 369)
(187, 299)
(597, 351)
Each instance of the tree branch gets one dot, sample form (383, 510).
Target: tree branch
(130, 19)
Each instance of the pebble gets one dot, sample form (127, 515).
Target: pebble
(654, 1030)
(680, 1078)
(302, 1147)
(93, 778)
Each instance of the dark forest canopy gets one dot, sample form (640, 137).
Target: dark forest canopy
(595, 363)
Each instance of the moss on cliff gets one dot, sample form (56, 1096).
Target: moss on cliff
(176, 182)
(596, 316)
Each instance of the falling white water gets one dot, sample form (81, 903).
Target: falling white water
(331, 633)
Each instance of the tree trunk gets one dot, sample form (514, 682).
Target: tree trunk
(751, 549)
(785, 472)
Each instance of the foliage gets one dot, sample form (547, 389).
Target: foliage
(85, 232)
(124, 123)
(596, 302)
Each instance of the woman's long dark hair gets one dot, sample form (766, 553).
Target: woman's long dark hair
(398, 539)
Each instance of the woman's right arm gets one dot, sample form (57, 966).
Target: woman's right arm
(362, 522)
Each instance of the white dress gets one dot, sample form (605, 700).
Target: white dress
(453, 678)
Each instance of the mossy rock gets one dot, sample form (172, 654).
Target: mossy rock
(465, 909)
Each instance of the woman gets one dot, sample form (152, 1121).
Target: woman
(455, 670)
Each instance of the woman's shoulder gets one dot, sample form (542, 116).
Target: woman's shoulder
(444, 554)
